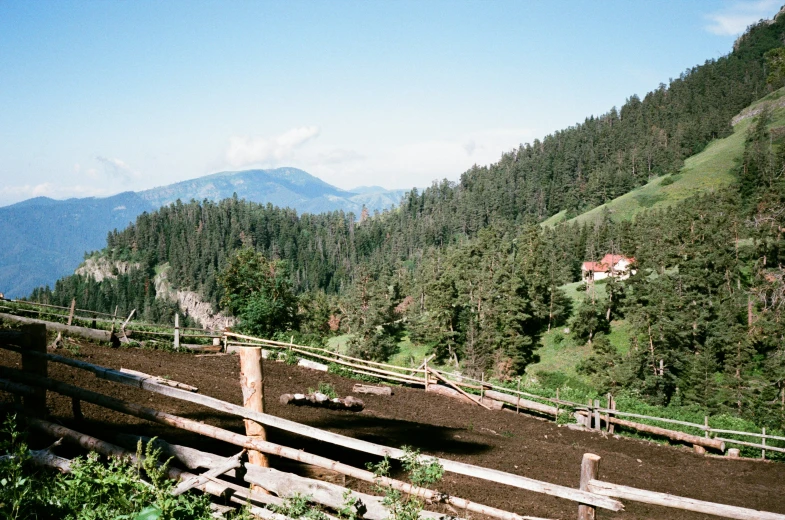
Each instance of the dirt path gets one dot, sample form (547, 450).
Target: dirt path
(434, 424)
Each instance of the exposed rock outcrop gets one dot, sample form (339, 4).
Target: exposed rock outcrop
(754, 111)
(101, 268)
(192, 303)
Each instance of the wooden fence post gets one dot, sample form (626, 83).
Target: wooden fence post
(590, 468)
(177, 331)
(71, 313)
(518, 397)
(35, 341)
(252, 383)
(612, 406)
(706, 425)
(425, 364)
(597, 423)
(763, 442)
(557, 405)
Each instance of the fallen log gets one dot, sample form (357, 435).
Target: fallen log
(83, 332)
(706, 442)
(450, 392)
(329, 495)
(201, 348)
(526, 404)
(45, 458)
(320, 400)
(210, 486)
(160, 380)
(367, 389)
(191, 458)
(313, 365)
(299, 455)
(197, 480)
(462, 468)
(677, 502)
(472, 399)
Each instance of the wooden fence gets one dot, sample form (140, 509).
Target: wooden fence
(123, 329)
(32, 383)
(591, 415)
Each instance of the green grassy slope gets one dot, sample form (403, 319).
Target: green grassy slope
(712, 169)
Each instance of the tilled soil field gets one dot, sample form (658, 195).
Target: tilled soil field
(436, 425)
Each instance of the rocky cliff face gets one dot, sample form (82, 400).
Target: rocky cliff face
(101, 268)
(192, 303)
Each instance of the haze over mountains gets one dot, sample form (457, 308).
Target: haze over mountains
(44, 239)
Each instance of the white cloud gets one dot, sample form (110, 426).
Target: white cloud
(246, 151)
(11, 194)
(734, 19)
(410, 164)
(115, 169)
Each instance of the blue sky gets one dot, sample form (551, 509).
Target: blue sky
(102, 97)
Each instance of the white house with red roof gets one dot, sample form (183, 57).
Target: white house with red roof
(616, 266)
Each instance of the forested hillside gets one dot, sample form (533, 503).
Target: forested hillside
(465, 269)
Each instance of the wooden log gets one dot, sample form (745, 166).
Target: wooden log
(677, 502)
(252, 384)
(590, 468)
(82, 332)
(461, 468)
(326, 494)
(211, 486)
(160, 380)
(34, 342)
(461, 391)
(519, 402)
(313, 365)
(450, 392)
(93, 444)
(301, 456)
(200, 348)
(191, 458)
(226, 465)
(715, 444)
(367, 389)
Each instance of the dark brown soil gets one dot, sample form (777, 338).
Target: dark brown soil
(436, 425)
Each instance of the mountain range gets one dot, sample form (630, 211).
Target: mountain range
(44, 239)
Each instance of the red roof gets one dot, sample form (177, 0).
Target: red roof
(604, 265)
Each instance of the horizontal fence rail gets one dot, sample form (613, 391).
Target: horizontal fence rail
(31, 381)
(416, 376)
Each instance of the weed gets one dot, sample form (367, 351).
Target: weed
(422, 471)
(290, 357)
(326, 389)
(299, 507)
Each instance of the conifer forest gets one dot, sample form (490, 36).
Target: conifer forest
(470, 271)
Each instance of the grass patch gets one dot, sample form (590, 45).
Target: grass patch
(708, 171)
(409, 354)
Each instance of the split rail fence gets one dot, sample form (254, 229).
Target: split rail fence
(591, 415)
(31, 382)
(113, 328)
